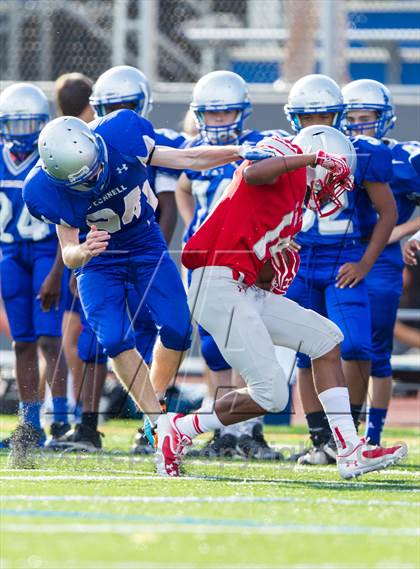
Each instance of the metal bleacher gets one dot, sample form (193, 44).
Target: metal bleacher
(383, 43)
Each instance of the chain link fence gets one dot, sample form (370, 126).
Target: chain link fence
(177, 41)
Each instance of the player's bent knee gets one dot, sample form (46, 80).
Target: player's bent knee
(325, 342)
(272, 396)
(178, 339)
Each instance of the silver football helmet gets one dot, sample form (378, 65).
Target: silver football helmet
(73, 156)
(221, 91)
(368, 94)
(23, 113)
(325, 189)
(122, 86)
(314, 94)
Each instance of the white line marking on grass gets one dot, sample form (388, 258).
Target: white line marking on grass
(228, 479)
(207, 500)
(219, 527)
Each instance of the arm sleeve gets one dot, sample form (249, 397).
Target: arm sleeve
(42, 198)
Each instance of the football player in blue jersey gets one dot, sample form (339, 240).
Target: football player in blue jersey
(92, 182)
(31, 269)
(334, 262)
(220, 104)
(125, 87)
(369, 112)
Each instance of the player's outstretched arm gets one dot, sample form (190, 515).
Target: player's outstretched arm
(203, 157)
(76, 254)
(267, 171)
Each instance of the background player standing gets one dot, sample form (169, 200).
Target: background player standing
(369, 112)
(31, 270)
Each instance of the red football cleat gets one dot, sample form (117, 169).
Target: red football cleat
(171, 445)
(367, 458)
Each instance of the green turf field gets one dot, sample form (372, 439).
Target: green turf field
(110, 511)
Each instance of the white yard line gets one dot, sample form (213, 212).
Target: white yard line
(228, 479)
(133, 528)
(207, 500)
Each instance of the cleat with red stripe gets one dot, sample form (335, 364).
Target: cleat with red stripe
(368, 458)
(171, 445)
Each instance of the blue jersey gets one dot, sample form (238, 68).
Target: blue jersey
(374, 164)
(208, 186)
(126, 206)
(405, 183)
(164, 179)
(16, 223)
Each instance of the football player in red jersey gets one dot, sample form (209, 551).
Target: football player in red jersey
(251, 227)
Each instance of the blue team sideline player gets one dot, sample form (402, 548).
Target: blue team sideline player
(369, 112)
(92, 180)
(334, 262)
(220, 104)
(31, 271)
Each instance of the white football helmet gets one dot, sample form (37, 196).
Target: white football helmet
(23, 113)
(314, 94)
(122, 86)
(325, 190)
(73, 156)
(367, 94)
(221, 91)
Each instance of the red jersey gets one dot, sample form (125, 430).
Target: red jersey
(251, 225)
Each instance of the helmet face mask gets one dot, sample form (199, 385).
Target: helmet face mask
(314, 94)
(325, 192)
(325, 189)
(23, 113)
(122, 87)
(368, 95)
(80, 162)
(216, 92)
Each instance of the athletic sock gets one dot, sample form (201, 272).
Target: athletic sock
(319, 429)
(197, 423)
(90, 420)
(336, 404)
(60, 409)
(30, 412)
(355, 412)
(374, 424)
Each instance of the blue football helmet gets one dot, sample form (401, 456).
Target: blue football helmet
(122, 86)
(314, 94)
(370, 95)
(221, 91)
(23, 113)
(73, 156)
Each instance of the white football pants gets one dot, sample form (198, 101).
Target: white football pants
(248, 322)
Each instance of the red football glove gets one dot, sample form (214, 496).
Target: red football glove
(337, 165)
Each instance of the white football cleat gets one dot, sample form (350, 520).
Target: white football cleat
(368, 458)
(171, 445)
